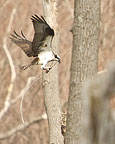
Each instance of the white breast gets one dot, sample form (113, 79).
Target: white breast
(45, 57)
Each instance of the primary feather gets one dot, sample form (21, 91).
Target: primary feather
(23, 43)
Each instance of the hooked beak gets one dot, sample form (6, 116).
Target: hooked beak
(59, 60)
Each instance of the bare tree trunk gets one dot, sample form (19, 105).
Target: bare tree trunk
(50, 80)
(98, 121)
(84, 61)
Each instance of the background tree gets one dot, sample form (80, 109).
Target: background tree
(98, 119)
(84, 61)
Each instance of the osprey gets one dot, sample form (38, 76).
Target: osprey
(40, 47)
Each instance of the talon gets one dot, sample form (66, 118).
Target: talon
(47, 71)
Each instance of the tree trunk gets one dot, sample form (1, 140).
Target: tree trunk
(84, 61)
(98, 119)
(50, 80)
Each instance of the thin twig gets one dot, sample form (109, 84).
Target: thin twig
(61, 58)
(23, 94)
(22, 127)
(12, 67)
(24, 90)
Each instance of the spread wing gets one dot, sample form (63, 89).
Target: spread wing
(23, 43)
(43, 34)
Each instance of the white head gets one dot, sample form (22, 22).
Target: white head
(56, 58)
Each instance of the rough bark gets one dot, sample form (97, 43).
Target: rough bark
(84, 61)
(50, 80)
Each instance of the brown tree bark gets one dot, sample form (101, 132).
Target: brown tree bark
(84, 61)
(50, 80)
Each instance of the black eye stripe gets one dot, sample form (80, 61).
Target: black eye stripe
(56, 56)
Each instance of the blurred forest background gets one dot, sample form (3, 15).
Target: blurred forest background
(15, 15)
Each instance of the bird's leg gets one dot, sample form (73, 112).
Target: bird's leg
(32, 63)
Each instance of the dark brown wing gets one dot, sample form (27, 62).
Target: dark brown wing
(42, 31)
(23, 43)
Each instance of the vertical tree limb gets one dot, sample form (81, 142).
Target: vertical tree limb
(50, 80)
(12, 67)
(84, 61)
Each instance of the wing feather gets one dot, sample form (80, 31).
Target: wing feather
(42, 37)
(42, 31)
(23, 43)
(23, 35)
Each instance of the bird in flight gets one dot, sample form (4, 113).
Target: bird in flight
(40, 47)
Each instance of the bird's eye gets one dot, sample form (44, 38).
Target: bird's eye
(46, 45)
